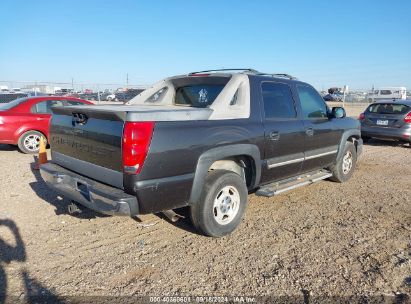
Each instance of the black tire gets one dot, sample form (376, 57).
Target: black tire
(206, 217)
(365, 139)
(27, 148)
(340, 170)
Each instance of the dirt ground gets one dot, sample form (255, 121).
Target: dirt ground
(327, 239)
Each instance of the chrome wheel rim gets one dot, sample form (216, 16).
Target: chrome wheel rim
(347, 162)
(226, 205)
(32, 142)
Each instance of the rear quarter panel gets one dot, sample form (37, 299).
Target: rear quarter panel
(15, 124)
(167, 176)
(30, 121)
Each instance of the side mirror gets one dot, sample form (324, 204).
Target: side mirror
(338, 112)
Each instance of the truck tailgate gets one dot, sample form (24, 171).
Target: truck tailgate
(88, 139)
(88, 143)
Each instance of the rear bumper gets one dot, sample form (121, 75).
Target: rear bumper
(403, 134)
(89, 193)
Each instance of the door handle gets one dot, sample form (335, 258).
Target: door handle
(274, 135)
(309, 131)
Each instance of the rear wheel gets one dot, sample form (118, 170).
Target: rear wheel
(344, 168)
(29, 142)
(222, 204)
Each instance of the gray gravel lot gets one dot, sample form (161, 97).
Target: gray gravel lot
(327, 239)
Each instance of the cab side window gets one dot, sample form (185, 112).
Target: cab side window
(278, 101)
(312, 105)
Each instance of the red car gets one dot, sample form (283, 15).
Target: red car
(24, 120)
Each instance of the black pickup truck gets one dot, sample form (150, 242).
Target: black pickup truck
(203, 140)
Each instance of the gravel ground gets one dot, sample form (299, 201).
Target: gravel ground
(327, 239)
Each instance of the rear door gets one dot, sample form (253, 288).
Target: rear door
(42, 113)
(322, 137)
(283, 131)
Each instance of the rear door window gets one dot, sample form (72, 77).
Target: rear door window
(44, 107)
(278, 101)
(388, 108)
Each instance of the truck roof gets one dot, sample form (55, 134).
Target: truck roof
(248, 71)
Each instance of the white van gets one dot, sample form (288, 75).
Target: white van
(388, 93)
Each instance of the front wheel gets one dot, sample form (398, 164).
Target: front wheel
(222, 204)
(344, 168)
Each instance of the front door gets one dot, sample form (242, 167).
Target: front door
(322, 137)
(283, 131)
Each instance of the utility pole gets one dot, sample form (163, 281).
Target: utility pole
(127, 81)
(72, 84)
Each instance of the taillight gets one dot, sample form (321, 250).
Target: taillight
(407, 118)
(361, 117)
(136, 141)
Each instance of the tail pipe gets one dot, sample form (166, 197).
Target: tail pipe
(171, 215)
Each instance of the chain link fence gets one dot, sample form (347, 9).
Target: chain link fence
(10, 90)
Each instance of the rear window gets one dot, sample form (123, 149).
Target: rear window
(11, 104)
(198, 92)
(388, 108)
(385, 92)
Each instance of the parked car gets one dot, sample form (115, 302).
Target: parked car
(7, 97)
(388, 93)
(24, 120)
(127, 95)
(333, 97)
(202, 140)
(110, 97)
(387, 120)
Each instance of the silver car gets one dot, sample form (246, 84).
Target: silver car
(387, 119)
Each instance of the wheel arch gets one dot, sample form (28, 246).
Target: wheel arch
(353, 136)
(240, 158)
(22, 131)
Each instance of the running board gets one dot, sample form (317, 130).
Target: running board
(292, 183)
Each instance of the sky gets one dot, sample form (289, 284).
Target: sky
(325, 43)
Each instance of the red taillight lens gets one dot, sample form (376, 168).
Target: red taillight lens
(136, 141)
(407, 118)
(361, 117)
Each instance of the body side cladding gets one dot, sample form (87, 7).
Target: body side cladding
(209, 157)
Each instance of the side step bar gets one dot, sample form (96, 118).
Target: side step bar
(292, 183)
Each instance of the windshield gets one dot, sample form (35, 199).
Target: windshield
(11, 104)
(198, 92)
(385, 92)
(388, 108)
